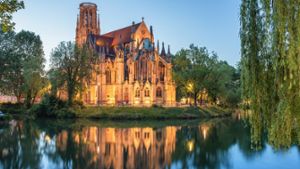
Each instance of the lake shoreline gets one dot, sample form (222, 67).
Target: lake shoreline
(150, 113)
(126, 113)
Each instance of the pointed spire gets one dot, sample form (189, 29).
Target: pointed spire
(157, 48)
(98, 25)
(143, 19)
(169, 51)
(151, 33)
(163, 51)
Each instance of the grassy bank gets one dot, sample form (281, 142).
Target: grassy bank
(58, 110)
(153, 113)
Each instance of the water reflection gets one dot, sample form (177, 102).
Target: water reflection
(68, 144)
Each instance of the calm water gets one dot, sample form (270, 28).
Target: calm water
(218, 143)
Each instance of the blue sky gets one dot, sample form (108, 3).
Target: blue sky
(210, 23)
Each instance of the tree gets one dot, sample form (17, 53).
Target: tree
(30, 50)
(6, 49)
(270, 66)
(23, 68)
(195, 71)
(7, 8)
(71, 66)
(190, 71)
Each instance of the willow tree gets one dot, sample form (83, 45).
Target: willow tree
(270, 66)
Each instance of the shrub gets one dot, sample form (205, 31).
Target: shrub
(12, 108)
(77, 104)
(64, 113)
(48, 106)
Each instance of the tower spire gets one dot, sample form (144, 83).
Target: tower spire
(157, 48)
(163, 51)
(169, 51)
(151, 33)
(98, 25)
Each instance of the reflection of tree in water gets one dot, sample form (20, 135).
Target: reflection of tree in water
(282, 130)
(212, 142)
(19, 146)
(69, 145)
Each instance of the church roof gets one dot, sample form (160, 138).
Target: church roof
(122, 35)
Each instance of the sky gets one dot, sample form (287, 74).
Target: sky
(179, 23)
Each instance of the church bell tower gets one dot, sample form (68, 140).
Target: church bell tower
(87, 22)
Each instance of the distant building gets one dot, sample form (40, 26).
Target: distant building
(7, 99)
(131, 69)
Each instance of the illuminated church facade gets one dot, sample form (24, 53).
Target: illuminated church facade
(130, 69)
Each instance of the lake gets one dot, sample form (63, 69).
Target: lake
(216, 143)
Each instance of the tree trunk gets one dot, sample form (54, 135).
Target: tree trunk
(33, 98)
(195, 99)
(28, 99)
(201, 99)
(70, 94)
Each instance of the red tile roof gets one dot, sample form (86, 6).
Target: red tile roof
(122, 35)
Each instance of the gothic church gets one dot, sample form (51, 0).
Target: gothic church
(131, 69)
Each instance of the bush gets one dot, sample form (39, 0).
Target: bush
(77, 104)
(12, 108)
(6, 117)
(48, 106)
(157, 106)
(64, 113)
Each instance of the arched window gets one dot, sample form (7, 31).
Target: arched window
(158, 92)
(147, 92)
(137, 92)
(108, 76)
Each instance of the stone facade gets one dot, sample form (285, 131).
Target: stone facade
(131, 69)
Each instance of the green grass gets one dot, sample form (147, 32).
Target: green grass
(120, 113)
(153, 113)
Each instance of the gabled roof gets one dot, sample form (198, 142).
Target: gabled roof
(122, 35)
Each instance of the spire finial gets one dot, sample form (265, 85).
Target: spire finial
(169, 51)
(157, 46)
(163, 51)
(98, 25)
(151, 33)
(143, 19)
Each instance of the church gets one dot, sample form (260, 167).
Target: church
(131, 70)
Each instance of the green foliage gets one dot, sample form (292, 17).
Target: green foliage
(52, 107)
(270, 67)
(11, 108)
(195, 71)
(22, 63)
(7, 8)
(71, 68)
(153, 113)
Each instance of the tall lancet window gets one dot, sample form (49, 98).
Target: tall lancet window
(147, 92)
(158, 92)
(136, 70)
(86, 15)
(144, 66)
(161, 70)
(108, 76)
(137, 92)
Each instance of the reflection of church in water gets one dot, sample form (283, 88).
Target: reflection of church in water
(125, 148)
(131, 69)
